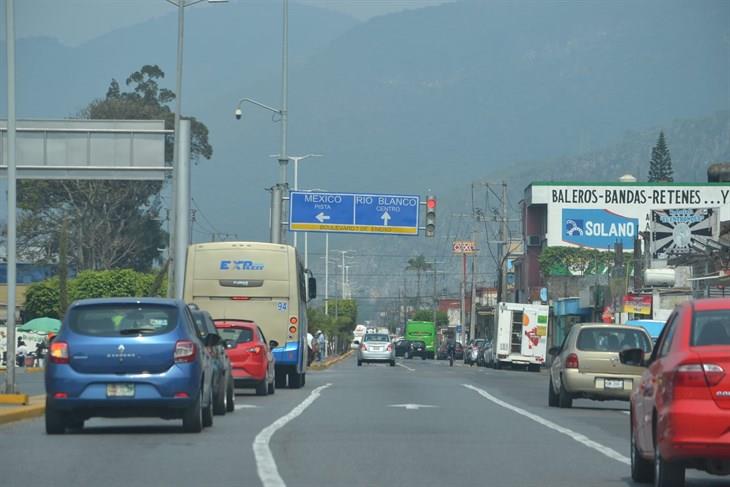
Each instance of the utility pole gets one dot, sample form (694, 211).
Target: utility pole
(473, 317)
(503, 236)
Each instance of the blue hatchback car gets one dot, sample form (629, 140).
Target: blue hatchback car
(128, 357)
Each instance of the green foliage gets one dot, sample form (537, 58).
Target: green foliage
(565, 261)
(344, 308)
(442, 319)
(42, 298)
(112, 224)
(660, 166)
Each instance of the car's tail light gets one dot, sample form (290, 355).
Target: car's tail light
(255, 349)
(60, 395)
(59, 352)
(184, 351)
(698, 375)
(363, 347)
(571, 361)
(181, 395)
(389, 347)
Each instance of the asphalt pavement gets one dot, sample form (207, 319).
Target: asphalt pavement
(420, 423)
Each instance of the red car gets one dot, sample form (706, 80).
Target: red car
(250, 355)
(680, 410)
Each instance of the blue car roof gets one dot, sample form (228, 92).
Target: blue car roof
(129, 300)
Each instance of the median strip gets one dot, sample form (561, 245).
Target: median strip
(35, 406)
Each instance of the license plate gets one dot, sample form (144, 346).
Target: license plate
(613, 384)
(120, 390)
(377, 349)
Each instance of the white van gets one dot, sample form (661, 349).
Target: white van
(520, 336)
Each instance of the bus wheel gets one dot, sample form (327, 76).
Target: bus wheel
(295, 380)
(280, 379)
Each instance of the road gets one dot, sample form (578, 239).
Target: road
(420, 423)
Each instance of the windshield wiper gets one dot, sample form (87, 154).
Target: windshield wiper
(133, 331)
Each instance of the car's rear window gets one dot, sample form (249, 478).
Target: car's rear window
(114, 320)
(376, 338)
(608, 339)
(711, 328)
(238, 335)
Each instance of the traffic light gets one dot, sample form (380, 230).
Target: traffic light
(430, 216)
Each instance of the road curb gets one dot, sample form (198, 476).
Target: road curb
(332, 362)
(36, 408)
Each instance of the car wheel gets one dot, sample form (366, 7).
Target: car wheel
(564, 399)
(193, 416)
(359, 363)
(392, 363)
(641, 469)
(552, 395)
(272, 387)
(230, 396)
(208, 411)
(667, 474)
(304, 378)
(497, 365)
(55, 420)
(280, 380)
(533, 368)
(423, 357)
(262, 388)
(219, 400)
(75, 423)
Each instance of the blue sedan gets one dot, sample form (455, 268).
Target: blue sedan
(128, 357)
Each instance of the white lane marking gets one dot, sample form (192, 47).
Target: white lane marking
(414, 407)
(245, 406)
(265, 463)
(405, 367)
(609, 452)
(626, 412)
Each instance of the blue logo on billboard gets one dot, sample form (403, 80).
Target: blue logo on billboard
(598, 229)
(240, 265)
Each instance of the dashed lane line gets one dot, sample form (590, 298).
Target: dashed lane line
(265, 463)
(580, 438)
(405, 367)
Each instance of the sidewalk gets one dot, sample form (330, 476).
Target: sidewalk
(36, 407)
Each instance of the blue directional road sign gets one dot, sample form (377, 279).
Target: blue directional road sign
(353, 213)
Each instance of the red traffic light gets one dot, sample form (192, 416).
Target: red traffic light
(431, 203)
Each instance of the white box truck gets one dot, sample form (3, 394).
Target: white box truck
(521, 335)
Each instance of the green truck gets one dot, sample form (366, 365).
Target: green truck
(424, 331)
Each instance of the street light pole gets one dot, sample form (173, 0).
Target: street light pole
(296, 160)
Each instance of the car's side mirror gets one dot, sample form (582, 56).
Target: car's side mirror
(229, 343)
(356, 342)
(554, 351)
(211, 339)
(273, 344)
(312, 286)
(632, 356)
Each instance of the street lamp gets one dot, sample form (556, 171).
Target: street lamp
(296, 160)
(175, 235)
(279, 190)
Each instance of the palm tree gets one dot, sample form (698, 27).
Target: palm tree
(419, 265)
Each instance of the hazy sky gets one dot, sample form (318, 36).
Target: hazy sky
(64, 19)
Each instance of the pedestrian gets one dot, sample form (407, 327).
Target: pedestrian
(321, 342)
(40, 348)
(20, 352)
(310, 349)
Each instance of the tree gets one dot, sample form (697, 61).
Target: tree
(660, 166)
(112, 224)
(419, 265)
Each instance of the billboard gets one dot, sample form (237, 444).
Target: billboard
(610, 211)
(673, 231)
(598, 229)
(638, 304)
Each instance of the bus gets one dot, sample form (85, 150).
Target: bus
(262, 282)
(424, 331)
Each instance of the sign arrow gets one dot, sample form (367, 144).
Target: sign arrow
(385, 217)
(411, 407)
(322, 217)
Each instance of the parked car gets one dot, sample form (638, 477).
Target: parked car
(376, 347)
(402, 347)
(250, 355)
(418, 349)
(472, 351)
(484, 351)
(128, 357)
(223, 392)
(587, 364)
(680, 410)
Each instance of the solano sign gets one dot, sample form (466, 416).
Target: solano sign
(598, 229)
